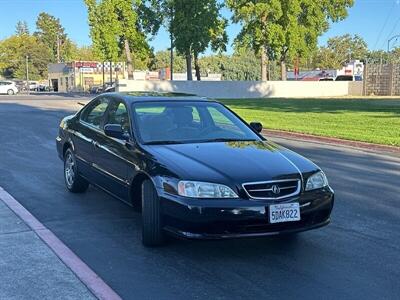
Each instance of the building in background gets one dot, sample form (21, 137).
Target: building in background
(81, 76)
(84, 76)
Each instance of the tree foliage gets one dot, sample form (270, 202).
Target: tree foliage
(285, 29)
(21, 28)
(161, 60)
(104, 29)
(52, 34)
(241, 65)
(14, 51)
(195, 26)
(120, 26)
(341, 49)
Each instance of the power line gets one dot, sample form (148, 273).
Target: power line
(394, 28)
(391, 32)
(384, 25)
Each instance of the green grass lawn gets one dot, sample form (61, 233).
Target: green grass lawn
(369, 120)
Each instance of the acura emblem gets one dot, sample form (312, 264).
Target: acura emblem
(275, 189)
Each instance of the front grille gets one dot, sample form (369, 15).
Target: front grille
(277, 189)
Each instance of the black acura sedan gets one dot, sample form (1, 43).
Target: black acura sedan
(192, 167)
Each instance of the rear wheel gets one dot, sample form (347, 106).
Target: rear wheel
(152, 233)
(10, 92)
(74, 182)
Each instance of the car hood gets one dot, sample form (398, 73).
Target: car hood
(231, 162)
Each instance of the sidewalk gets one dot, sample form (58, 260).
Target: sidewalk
(29, 269)
(35, 264)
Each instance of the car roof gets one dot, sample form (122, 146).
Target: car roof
(132, 97)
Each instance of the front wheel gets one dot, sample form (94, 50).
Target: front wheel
(74, 182)
(152, 233)
(10, 92)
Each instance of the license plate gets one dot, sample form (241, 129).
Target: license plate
(285, 212)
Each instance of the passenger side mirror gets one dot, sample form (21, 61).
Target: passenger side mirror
(115, 131)
(257, 126)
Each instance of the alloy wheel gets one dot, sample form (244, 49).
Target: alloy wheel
(69, 170)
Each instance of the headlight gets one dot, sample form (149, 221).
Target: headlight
(316, 181)
(196, 189)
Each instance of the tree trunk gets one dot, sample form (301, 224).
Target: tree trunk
(283, 70)
(128, 59)
(189, 67)
(197, 67)
(263, 64)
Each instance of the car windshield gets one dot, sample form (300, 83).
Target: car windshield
(175, 122)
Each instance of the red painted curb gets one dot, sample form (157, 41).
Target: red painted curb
(92, 281)
(331, 141)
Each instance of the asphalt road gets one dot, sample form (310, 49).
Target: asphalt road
(355, 257)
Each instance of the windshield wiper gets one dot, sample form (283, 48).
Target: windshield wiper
(163, 142)
(228, 140)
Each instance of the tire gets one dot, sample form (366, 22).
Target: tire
(10, 92)
(73, 181)
(152, 233)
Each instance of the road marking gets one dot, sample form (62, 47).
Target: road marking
(88, 277)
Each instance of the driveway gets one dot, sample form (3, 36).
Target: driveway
(356, 256)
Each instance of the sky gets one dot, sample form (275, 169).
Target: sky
(374, 20)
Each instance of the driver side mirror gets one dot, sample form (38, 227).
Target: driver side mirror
(115, 131)
(257, 126)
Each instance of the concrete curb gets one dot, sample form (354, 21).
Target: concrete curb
(88, 277)
(332, 141)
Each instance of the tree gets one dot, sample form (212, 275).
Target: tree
(242, 65)
(161, 60)
(120, 26)
(14, 51)
(22, 28)
(195, 26)
(341, 49)
(52, 34)
(104, 29)
(284, 29)
(377, 57)
(84, 53)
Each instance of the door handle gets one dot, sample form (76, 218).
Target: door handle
(96, 144)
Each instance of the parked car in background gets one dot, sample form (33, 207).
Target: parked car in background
(110, 89)
(33, 85)
(95, 89)
(192, 167)
(43, 88)
(348, 78)
(8, 87)
(99, 89)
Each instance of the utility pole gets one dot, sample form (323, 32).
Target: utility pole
(58, 48)
(111, 79)
(27, 73)
(104, 77)
(172, 43)
(172, 59)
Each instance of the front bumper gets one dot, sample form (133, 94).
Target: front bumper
(236, 218)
